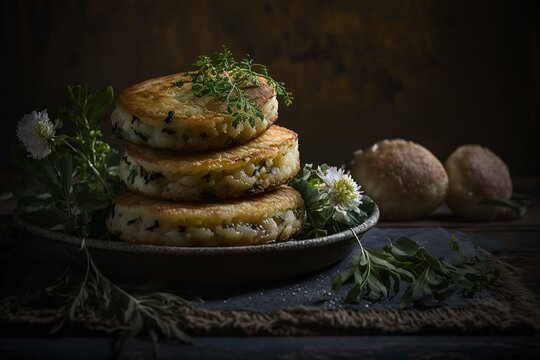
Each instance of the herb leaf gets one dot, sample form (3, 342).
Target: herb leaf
(86, 111)
(70, 190)
(145, 313)
(518, 208)
(378, 275)
(226, 79)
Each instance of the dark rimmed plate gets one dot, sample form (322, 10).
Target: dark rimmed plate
(206, 265)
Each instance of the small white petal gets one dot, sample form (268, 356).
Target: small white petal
(342, 192)
(34, 131)
(339, 215)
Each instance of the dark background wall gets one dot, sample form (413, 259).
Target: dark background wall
(442, 73)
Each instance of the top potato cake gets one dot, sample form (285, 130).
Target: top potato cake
(157, 114)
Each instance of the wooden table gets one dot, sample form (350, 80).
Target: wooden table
(522, 238)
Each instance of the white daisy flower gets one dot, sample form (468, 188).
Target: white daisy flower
(342, 192)
(34, 131)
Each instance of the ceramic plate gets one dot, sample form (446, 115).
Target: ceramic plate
(206, 265)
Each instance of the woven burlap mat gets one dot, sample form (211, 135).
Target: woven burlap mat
(508, 309)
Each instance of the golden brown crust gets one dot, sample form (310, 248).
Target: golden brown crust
(153, 99)
(269, 217)
(261, 94)
(477, 174)
(251, 208)
(275, 139)
(403, 178)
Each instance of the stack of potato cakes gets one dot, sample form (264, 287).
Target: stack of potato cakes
(197, 178)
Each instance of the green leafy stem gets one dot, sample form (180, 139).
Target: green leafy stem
(378, 275)
(515, 205)
(98, 297)
(70, 190)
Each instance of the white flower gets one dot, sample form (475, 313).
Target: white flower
(342, 192)
(34, 131)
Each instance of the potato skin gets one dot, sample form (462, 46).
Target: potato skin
(405, 179)
(477, 174)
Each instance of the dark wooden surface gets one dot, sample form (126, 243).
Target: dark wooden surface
(522, 238)
(442, 73)
(320, 348)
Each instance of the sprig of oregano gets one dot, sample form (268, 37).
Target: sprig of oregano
(96, 296)
(226, 79)
(378, 275)
(69, 190)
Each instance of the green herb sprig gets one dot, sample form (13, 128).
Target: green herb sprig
(377, 275)
(515, 204)
(98, 297)
(70, 189)
(226, 79)
(86, 111)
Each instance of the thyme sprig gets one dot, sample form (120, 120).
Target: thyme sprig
(226, 79)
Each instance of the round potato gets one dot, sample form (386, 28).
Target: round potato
(405, 179)
(477, 175)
